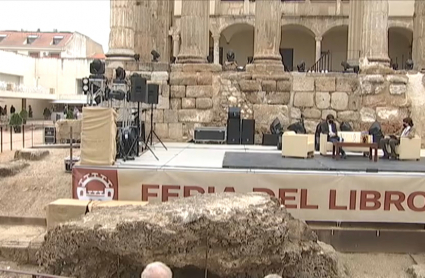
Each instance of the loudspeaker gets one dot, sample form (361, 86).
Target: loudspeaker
(248, 131)
(233, 131)
(234, 113)
(210, 134)
(153, 94)
(138, 89)
(270, 140)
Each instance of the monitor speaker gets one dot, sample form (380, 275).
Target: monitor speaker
(233, 131)
(248, 131)
(153, 94)
(138, 88)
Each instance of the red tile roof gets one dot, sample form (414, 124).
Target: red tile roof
(100, 56)
(44, 40)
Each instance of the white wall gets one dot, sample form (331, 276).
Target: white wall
(336, 41)
(304, 46)
(399, 45)
(242, 44)
(401, 7)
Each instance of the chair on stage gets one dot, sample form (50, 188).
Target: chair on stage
(297, 145)
(409, 149)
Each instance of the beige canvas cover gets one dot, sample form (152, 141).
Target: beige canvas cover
(98, 136)
(63, 130)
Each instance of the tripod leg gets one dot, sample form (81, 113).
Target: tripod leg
(160, 141)
(147, 147)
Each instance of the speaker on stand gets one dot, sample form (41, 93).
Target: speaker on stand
(152, 98)
(248, 132)
(234, 126)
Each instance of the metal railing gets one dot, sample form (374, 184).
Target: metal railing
(323, 64)
(23, 136)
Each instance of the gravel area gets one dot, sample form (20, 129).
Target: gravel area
(27, 193)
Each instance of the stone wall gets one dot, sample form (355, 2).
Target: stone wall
(196, 95)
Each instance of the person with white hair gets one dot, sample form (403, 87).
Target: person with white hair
(273, 276)
(157, 270)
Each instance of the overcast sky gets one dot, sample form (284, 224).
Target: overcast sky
(89, 17)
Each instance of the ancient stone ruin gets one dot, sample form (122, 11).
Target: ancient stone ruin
(229, 234)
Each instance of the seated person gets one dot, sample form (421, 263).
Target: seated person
(394, 140)
(329, 128)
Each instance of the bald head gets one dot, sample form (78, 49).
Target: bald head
(157, 270)
(273, 276)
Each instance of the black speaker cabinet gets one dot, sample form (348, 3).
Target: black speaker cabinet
(210, 134)
(247, 132)
(234, 113)
(153, 94)
(233, 131)
(270, 140)
(138, 89)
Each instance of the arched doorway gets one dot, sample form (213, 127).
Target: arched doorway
(238, 38)
(335, 42)
(400, 45)
(297, 45)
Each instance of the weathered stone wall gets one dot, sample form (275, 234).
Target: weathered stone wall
(196, 95)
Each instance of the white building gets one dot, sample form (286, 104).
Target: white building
(40, 69)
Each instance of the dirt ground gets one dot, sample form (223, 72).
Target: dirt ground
(27, 193)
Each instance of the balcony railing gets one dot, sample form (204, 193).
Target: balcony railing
(19, 88)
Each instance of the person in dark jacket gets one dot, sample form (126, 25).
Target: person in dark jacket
(12, 110)
(329, 127)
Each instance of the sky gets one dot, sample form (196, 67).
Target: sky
(89, 17)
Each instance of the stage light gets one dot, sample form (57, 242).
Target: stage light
(155, 56)
(120, 74)
(85, 85)
(137, 57)
(409, 64)
(348, 65)
(97, 67)
(301, 67)
(117, 95)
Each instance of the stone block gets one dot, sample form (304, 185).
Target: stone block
(161, 129)
(398, 79)
(372, 78)
(204, 103)
(312, 113)
(191, 68)
(204, 78)
(348, 116)
(178, 91)
(323, 100)
(325, 84)
(391, 114)
(171, 116)
(264, 114)
(268, 85)
(383, 100)
(188, 103)
(295, 113)
(354, 102)
(159, 76)
(250, 85)
(304, 99)
(417, 271)
(164, 90)
(310, 126)
(163, 103)
(255, 97)
(183, 78)
(175, 103)
(278, 98)
(175, 131)
(12, 168)
(284, 86)
(64, 210)
(398, 89)
(327, 112)
(339, 100)
(302, 83)
(195, 116)
(346, 84)
(199, 91)
(96, 205)
(31, 154)
(367, 115)
(158, 115)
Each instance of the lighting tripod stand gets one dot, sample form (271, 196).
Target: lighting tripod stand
(152, 132)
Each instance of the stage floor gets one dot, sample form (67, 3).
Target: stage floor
(253, 158)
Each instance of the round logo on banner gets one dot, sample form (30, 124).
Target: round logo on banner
(95, 187)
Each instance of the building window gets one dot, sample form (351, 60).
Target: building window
(31, 39)
(54, 55)
(57, 40)
(2, 37)
(34, 54)
(79, 86)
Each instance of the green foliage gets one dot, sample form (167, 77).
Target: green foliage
(24, 115)
(15, 120)
(47, 112)
(69, 115)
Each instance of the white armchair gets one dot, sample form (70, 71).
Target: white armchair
(409, 149)
(297, 145)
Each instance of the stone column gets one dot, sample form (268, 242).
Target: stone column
(375, 33)
(121, 36)
(268, 32)
(318, 48)
(418, 47)
(216, 39)
(355, 30)
(176, 45)
(194, 31)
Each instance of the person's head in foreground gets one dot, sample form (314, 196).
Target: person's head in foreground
(273, 276)
(157, 270)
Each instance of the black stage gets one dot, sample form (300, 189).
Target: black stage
(354, 163)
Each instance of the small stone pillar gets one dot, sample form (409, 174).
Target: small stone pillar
(194, 32)
(375, 34)
(418, 47)
(355, 30)
(121, 37)
(176, 45)
(216, 39)
(267, 32)
(318, 48)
